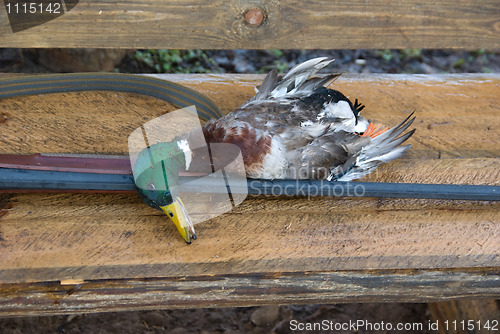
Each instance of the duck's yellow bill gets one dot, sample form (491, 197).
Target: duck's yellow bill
(177, 213)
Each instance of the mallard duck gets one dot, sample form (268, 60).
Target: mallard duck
(293, 128)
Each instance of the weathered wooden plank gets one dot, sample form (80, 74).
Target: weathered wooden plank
(247, 290)
(456, 114)
(97, 237)
(466, 316)
(53, 237)
(285, 24)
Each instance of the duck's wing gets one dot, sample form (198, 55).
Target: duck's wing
(326, 156)
(299, 82)
(345, 156)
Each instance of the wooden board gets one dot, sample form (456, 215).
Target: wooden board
(466, 316)
(284, 24)
(89, 237)
(246, 290)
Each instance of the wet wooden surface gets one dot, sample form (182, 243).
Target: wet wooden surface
(274, 24)
(93, 237)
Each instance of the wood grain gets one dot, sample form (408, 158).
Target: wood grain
(51, 298)
(466, 316)
(57, 237)
(286, 24)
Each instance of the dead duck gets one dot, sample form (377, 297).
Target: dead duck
(293, 128)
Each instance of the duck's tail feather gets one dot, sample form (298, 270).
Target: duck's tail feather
(382, 148)
(299, 81)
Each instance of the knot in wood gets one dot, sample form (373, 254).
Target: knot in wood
(254, 16)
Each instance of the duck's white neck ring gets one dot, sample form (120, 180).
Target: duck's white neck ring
(188, 154)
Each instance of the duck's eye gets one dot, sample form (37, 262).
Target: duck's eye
(171, 214)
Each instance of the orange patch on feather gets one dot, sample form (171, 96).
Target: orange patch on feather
(374, 130)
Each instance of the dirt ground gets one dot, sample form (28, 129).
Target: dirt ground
(266, 319)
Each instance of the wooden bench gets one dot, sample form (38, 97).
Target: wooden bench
(75, 253)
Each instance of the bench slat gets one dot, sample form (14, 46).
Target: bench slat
(287, 24)
(247, 290)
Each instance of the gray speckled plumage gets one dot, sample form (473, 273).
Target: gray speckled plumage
(294, 127)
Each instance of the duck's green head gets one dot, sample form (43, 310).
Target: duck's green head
(156, 174)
